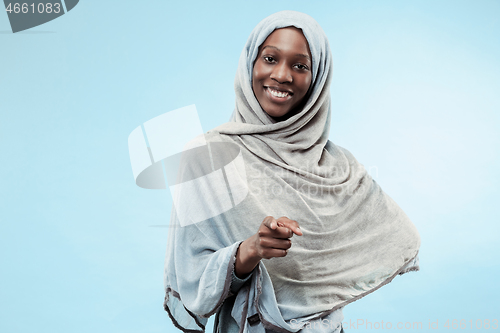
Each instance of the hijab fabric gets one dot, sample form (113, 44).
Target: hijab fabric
(305, 133)
(355, 237)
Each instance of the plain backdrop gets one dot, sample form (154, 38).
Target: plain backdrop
(415, 98)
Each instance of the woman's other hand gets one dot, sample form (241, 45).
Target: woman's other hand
(271, 240)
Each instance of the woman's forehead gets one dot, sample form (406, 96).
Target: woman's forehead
(288, 38)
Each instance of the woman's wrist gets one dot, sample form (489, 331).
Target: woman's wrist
(246, 258)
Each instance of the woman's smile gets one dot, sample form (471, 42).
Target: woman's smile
(277, 95)
(281, 74)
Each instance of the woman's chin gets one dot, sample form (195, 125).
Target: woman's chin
(281, 116)
(278, 114)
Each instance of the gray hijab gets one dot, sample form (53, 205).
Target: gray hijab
(306, 132)
(355, 238)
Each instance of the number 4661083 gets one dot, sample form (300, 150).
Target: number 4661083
(478, 324)
(41, 8)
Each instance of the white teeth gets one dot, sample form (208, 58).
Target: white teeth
(278, 93)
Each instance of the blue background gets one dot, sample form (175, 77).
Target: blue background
(415, 97)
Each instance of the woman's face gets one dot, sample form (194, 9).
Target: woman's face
(282, 72)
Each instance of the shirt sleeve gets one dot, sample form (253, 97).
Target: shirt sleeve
(237, 283)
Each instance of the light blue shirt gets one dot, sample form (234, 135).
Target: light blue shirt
(225, 323)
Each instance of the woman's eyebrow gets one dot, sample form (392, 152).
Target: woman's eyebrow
(303, 56)
(271, 47)
(277, 49)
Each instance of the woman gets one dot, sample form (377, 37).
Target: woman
(349, 238)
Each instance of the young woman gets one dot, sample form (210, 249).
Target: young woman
(240, 260)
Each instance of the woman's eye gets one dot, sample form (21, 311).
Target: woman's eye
(302, 67)
(269, 59)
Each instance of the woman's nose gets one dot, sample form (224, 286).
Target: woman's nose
(281, 73)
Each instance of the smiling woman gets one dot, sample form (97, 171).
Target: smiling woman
(282, 72)
(349, 237)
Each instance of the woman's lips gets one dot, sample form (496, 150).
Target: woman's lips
(278, 95)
